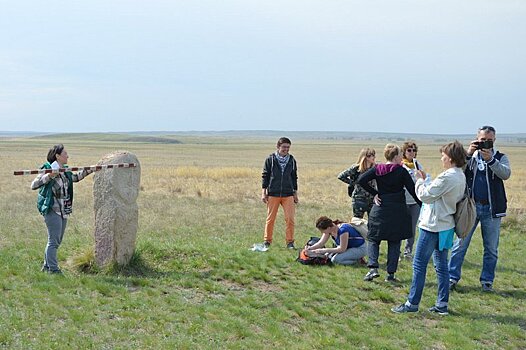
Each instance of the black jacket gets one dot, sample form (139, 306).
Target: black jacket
(391, 220)
(278, 184)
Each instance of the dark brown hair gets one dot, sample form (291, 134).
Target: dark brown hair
(283, 140)
(324, 223)
(456, 152)
(52, 153)
(408, 144)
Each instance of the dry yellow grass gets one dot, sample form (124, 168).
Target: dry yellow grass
(230, 171)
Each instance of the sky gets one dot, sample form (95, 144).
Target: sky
(421, 66)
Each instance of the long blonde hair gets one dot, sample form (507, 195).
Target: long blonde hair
(362, 159)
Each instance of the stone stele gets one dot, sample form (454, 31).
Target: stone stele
(115, 194)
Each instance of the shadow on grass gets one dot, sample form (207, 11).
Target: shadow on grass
(515, 294)
(137, 267)
(477, 266)
(498, 319)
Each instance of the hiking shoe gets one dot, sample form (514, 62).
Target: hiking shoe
(487, 287)
(452, 285)
(439, 310)
(404, 308)
(362, 261)
(391, 278)
(44, 268)
(55, 272)
(291, 246)
(372, 274)
(266, 244)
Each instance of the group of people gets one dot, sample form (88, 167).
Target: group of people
(399, 196)
(394, 194)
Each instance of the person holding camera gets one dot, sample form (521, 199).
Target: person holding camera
(436, 226)
(486, 170)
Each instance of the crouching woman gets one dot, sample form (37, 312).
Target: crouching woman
(350, 245)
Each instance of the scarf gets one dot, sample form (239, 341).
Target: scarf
(282, 160)
(408, 163)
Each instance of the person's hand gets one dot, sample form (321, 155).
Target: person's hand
(296, 200)
(472, 147)
(486, 154)
(377, 200)
(264, 195)
(420, 174)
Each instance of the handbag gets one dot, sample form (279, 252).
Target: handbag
(465, 215)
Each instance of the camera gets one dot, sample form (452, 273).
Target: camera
(487, 144)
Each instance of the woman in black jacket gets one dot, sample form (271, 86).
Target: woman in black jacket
(389, 220)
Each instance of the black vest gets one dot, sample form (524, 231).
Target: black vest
(497, 193)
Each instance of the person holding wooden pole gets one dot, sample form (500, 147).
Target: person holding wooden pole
(55, 201)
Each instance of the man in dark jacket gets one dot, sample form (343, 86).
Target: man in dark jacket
(485, 172)
(279, 187)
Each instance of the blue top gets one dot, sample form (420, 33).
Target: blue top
(355, 238)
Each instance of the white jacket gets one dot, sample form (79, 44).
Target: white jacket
(439, 198)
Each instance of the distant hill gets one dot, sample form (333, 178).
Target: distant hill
(109, 137)
(174, 137)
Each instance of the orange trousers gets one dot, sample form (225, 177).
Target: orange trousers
(289, 209)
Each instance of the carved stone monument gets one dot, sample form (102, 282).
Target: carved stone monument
(115, 194)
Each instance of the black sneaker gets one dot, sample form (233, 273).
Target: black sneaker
(372, 274)
(55, 272)
(452, 285)
(291, 246)
(439, 310)
(487, 287)
(391, 278)
(403, 309)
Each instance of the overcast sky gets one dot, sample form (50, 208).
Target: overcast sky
(403, 66)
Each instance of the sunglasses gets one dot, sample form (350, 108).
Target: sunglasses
(411, 150)
(487, 127)
(371, 155)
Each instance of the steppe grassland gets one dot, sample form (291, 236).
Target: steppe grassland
(197, 285)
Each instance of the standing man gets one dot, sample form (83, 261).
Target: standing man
(279, 187)
(485, 172)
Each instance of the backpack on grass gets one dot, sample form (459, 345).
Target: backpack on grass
(304, 259)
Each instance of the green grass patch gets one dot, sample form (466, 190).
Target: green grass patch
(193, 283)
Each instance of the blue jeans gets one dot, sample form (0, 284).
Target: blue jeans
(350, 256)
(426, 247)
(56, 226)
(490, 228)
